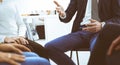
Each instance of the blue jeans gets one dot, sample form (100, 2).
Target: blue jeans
(72, 41)
(32, 59)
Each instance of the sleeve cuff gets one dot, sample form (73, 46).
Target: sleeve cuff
(2, 39)
(63, 17)
(103, 24)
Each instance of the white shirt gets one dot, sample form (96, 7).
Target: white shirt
(11, 24)
(87, 13)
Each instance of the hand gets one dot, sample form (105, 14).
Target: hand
(114, 46)
(59, 9)
(21, 40)
(17, 40)
(94, 26)
(9, 39)
(16, 48)
(11, 58)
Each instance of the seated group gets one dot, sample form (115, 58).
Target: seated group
(17, 54)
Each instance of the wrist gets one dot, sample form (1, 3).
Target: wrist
(103, 24)
(63, 16)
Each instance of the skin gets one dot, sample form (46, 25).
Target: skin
(94, 26)
(17, 40)
(15, 50)
(15, 58)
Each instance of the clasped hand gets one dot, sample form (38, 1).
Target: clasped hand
(12, 53)
(18, 40)
(94, 26)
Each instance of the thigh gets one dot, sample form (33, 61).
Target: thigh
(34, 45)
(71, 41)
(36, 61)
(32, 59)
(30, 54)
(37, 48)
(114, 59)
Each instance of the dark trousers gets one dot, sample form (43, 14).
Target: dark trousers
(58, 46)
(106, 36)
(114, 59)
(37, 48)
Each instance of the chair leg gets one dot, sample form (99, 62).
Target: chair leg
(77, 58)
(71, 54)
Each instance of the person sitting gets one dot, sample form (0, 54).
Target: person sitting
(105, 49)
(13, 29)
(16, 54)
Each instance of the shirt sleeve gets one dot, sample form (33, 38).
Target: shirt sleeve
(2, 38)
(21, 25)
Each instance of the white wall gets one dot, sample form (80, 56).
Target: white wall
(26, 6)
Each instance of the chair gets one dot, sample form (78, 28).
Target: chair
(92, 42)
(77, 56)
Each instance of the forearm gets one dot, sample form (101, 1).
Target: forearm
(70, 11)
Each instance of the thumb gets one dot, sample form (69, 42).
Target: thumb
(56, 3)
(92, 20)
(109, 51)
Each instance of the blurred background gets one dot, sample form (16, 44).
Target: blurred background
(43, 23)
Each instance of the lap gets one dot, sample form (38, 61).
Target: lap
(32, 59)
(71, 41)
(30, 54)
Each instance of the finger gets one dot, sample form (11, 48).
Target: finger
(18, 41)
(22, 47)
(92, 20)
(15, 49)
(17, 57)
(23, 41)
(26, 42)
(56, 3)
(91, 24)
(111, 48)
(59, 10)
(90, 28)
(12, 62)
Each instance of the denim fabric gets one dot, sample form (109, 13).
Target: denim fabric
(72, 41)
(32, 59)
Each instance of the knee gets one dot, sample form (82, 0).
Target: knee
(49, 46)
(44, 61)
